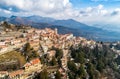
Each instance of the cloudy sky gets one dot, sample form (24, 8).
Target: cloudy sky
(87, 11)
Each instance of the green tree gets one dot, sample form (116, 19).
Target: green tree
(90, 70)
(59, 53)
(72, 66)
(32, 54)
(53, 61)
(43, 74)
(29, 53)
(71, 75)
(100, 65)
(59, 62)
(42, 59)
(80, 58)
(57, 75)
(27, 47)
(81, 72)
(26, 50)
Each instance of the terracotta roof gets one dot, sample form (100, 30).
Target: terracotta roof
(3, 46)
(35, 61)
(14, 73)
(3, 72)
(32, 62)
(27, 65)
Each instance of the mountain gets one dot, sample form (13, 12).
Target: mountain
(27, 20)
(109, 26)
(2, 18)
(65, 26)
(39, 19)
(70, 23)
(90, 31)
(19, 20)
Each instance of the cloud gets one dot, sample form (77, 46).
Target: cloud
(116, 12)
(5, 11)
(49, 8)
(100, 6)
(94, 11)
(59, 9)
(38, 5)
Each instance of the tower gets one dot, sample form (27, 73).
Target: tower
(56, 31)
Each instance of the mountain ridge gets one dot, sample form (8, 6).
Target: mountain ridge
(70, 25)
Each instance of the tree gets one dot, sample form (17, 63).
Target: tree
(71, 75)
(90, 70)
(53, 61)
(59, 53)
(59, 62)
(29, 52)
(57, 75)
(81, 72)
(42, 59)
(26, 50)
(72, 66)
(44, 74)
(27, 47)
(100, 65)
(95, 51)
(32, 54)
(5, 24)
(80, 58)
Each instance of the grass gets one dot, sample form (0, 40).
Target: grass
(12, 56)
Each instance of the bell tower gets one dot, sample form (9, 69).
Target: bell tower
(56, 31)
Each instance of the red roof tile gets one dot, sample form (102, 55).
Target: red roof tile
(14, 73)
(35, 61)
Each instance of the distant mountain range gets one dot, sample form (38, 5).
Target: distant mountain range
(109, 26)
(65, 26)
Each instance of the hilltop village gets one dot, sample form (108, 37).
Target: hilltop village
(30, 53)
(44, 42)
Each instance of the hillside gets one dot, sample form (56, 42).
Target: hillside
(76, 57)
(11, 60)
